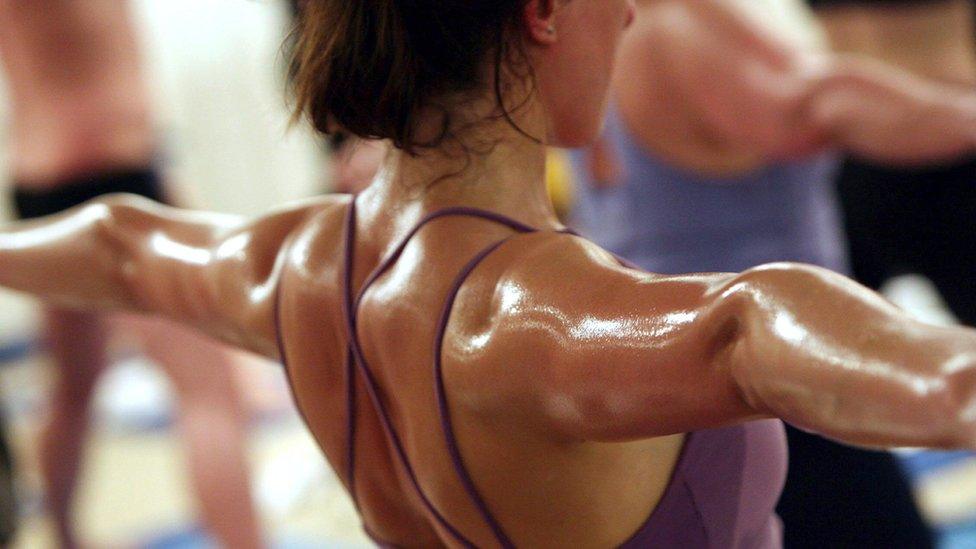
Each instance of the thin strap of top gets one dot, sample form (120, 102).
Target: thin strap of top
(444, 408)
(369, 379)
(357, 362)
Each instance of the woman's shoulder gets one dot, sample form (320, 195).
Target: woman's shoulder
(559, 267)
(317, 227)
(537, 307)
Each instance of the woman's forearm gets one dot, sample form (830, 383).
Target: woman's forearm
(206, 270)
(827, 355)
(94, 256)
(66, 259)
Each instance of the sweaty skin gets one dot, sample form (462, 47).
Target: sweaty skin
(707, 88)
(571, 380)
(558, 383)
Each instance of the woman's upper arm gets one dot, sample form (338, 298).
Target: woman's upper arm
(221, 277)
(608, 353)
(600, 352)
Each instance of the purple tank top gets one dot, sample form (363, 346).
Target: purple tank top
(671, 220)
(722, 492)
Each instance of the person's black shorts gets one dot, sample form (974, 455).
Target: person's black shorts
(32, 202)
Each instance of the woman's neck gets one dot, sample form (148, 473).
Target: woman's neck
(498, 168)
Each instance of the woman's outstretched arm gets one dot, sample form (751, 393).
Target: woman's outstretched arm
(212, 271)
(601, 352)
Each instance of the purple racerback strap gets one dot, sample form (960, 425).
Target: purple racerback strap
(369, 379)
(707, 503)
(357, 362)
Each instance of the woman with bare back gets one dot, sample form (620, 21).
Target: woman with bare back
(476, 374)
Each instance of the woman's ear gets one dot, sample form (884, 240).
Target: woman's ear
(540, 21)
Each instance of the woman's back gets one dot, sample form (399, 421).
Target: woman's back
(542, 489)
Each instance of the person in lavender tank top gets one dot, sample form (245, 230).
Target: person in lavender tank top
(477, 374)
(702, 167)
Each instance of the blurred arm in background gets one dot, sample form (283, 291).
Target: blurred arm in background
(713, 90)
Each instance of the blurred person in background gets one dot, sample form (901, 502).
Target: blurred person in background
(911, 219)
(718, 157)
(82, 127)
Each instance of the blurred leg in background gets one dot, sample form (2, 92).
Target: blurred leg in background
(81, 127)
(212, 422)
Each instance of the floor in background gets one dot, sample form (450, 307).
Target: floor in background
(134, 491)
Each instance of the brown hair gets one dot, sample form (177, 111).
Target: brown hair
(371, 66)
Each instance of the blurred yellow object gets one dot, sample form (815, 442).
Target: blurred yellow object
(559, 181)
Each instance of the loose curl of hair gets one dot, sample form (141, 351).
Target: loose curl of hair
(371, 67)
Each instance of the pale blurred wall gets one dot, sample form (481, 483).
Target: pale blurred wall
(216, 69)
(791, 20)
(223, 116)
